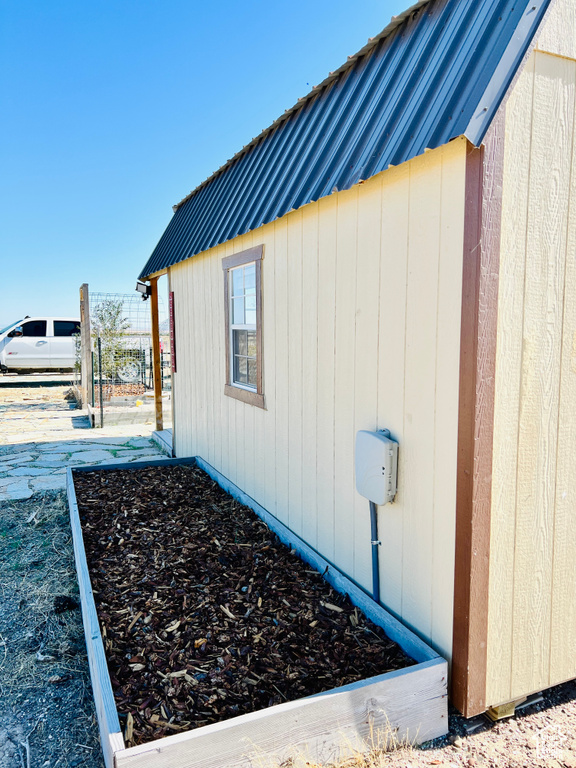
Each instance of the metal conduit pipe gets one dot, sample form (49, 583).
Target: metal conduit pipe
(375, 544)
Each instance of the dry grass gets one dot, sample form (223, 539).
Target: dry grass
(46, 710)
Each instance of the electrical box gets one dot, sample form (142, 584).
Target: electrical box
(376, 466)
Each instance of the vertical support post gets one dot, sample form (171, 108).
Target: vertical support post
(156, 368)
(484, 174)
(86, 381)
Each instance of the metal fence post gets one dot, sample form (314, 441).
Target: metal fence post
(100, 382)
(92, 375)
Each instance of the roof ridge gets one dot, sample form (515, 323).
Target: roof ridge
(395, 22)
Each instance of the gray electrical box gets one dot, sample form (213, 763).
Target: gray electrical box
(376, 466)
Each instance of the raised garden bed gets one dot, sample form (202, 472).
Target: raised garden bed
(219, 634)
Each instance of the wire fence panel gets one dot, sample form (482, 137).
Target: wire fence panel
(125, 373)
(116, 356)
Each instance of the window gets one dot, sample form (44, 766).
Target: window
(34, 328)
(66, 327)
(243, 299)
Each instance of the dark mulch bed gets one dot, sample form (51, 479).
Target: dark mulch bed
(205, 614)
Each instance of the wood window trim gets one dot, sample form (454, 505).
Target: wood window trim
(254, 254)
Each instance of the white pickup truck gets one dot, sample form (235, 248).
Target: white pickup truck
(39, 344)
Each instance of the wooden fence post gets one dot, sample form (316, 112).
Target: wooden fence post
(85, 347)
(156, 353)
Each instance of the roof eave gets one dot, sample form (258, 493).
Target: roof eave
(513, 60)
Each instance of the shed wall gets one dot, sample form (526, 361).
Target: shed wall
(361, 330)
(532, 601)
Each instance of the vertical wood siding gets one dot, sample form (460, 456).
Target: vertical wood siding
(361, 328)
(559, 33)
(532, 605)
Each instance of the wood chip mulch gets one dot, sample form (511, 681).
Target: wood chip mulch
(205, 615)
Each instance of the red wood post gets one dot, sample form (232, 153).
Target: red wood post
(156, 353)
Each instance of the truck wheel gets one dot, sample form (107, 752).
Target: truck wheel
(129, 371)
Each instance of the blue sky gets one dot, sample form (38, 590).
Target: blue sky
(112, 111)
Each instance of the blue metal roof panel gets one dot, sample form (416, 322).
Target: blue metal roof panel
(439, 71)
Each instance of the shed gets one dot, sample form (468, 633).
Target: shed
(398, 251)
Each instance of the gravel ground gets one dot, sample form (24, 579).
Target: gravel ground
(46, 710)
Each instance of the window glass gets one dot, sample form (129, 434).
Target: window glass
(34, 328)
(237, 282)
(250, 279)
(66, 327)
(238, 311)
(244, 358)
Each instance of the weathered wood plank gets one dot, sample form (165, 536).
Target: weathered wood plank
(407, 705)
(109, 725)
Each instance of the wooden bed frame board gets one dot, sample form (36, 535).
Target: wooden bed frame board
(408, 704)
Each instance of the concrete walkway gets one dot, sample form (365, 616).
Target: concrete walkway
(42, 433)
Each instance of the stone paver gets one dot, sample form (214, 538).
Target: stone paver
(25, 472)
(41, 435)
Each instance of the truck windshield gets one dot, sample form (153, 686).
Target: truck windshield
(12, 325)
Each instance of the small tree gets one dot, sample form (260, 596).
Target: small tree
(109, 324)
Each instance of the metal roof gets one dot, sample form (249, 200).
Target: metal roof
(438, 71)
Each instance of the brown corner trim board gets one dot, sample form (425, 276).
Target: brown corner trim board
(484, 173)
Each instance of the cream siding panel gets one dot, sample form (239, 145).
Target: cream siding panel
(344, 432)
(508, 381)
(563, 633)
(266, 237)
(309, 372)
(446, 394)
(326, 527)
(525, 610)
(367, 328)
(559, 33)
(419, 390)
(281, 411)
(390, 362)
(296, 394)
(353, 286)
(538, 428)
